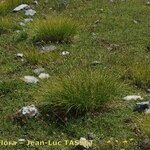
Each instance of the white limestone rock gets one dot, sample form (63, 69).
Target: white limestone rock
(133, 97)
(30, 79)
(21, 140)
(19, 55)
(20, 7)
(44, 76)
(30, 12)
(85, 143)
(39, 70)
(27, 20)
(22, 24)
(65, 53)
(29, 111)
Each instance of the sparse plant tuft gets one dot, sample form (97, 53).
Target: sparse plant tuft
(54, 29)
(6, 25)
(140, 74)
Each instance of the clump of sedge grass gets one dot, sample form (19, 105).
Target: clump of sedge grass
(140, 74)
(53, 29)
(8, 5)
(83, 91)
(6, 25)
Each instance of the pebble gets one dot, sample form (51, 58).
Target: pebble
(65, 53)
(85, 143)
(22, 24)
(20, 7)
(135, 21)
(30, 79)
(94, 63)
(38, 70)
(27, 20)
(36, 2)
(30, 12)
(21, 140)
(133, 97)
(44, 76)
(29, 111)
(19, 55)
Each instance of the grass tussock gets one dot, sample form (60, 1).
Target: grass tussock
(6, 25)
(53, 29)
(83, 91)
(141, 76)
(7, 5)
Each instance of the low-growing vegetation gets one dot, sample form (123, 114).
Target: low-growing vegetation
(53, 29)
(84, 91)
(138, 74)
(6, 25)
(78, 64)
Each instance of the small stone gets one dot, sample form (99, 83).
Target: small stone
(38, 70)
(30, 79)
(19, 55)
(27, 20)
(65, 53)
(29, 111)
(21, 24)
(48, 48)
(133, 97)
(21, 140)
(30, 12)
(44, 76)
(20, 7)
(94, 63)
(36, 2)
(135, 21)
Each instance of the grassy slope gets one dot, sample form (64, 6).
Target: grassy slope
(115, 26)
